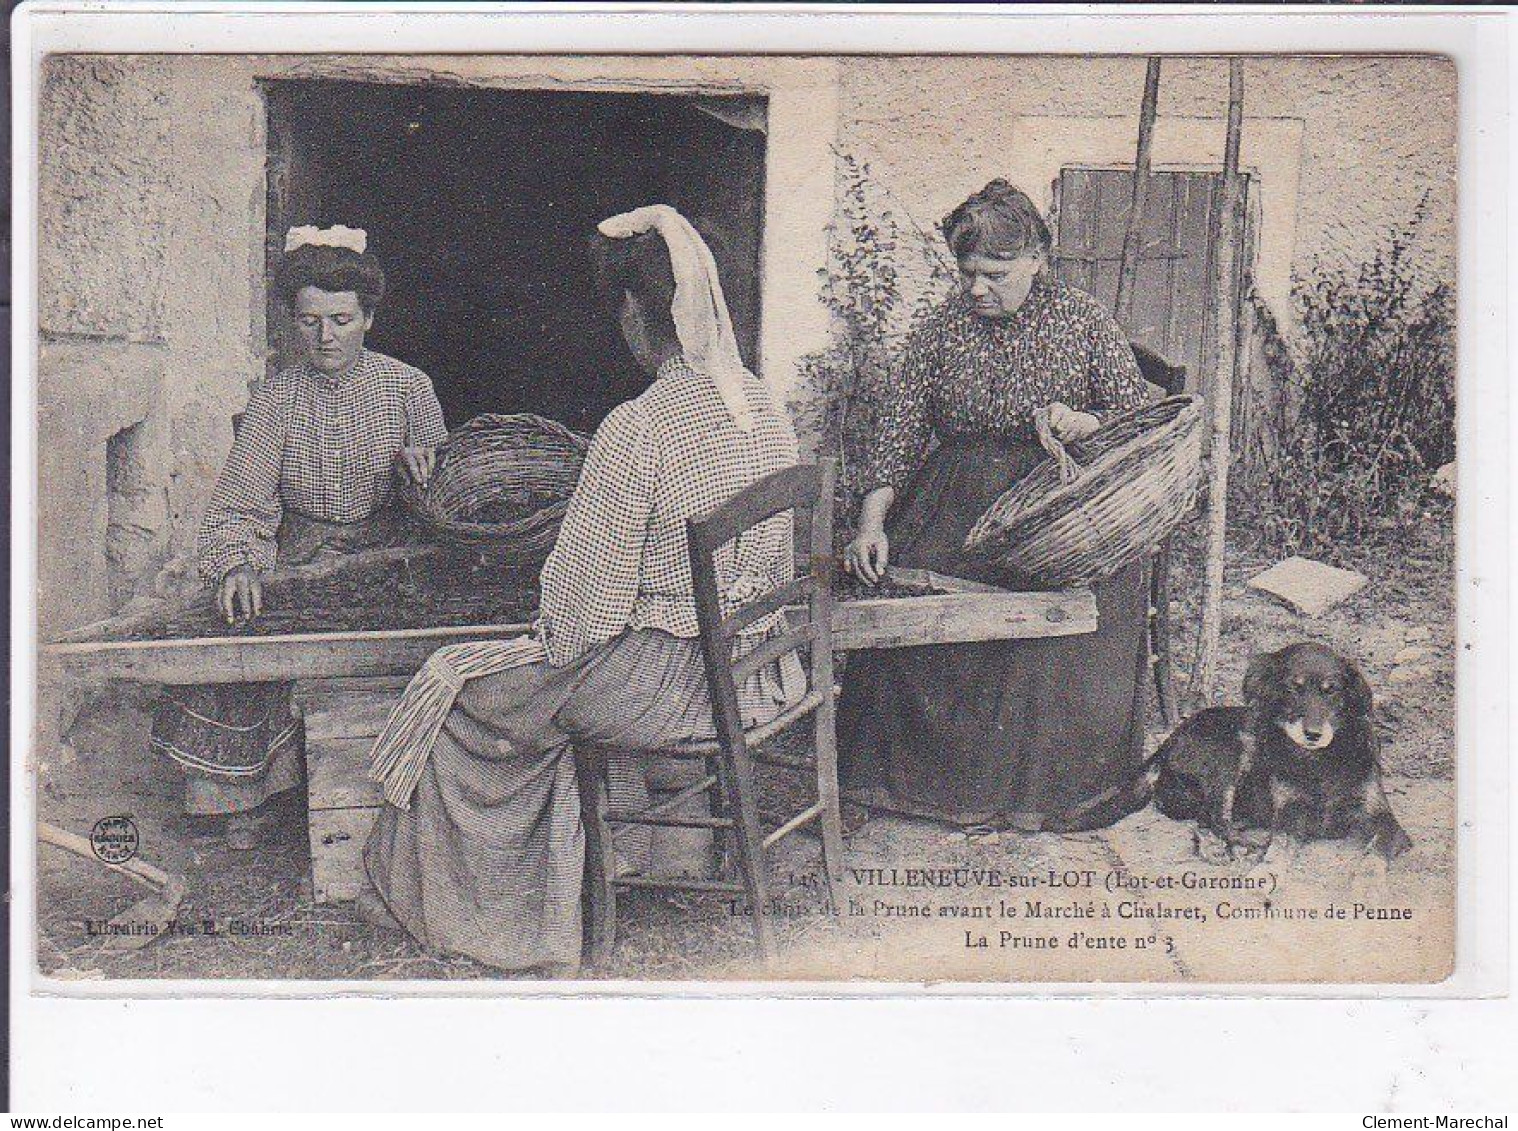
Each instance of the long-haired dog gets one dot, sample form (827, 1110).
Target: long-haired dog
(1301, 757)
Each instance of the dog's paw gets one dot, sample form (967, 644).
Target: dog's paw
(1211, 847)
(1251, 852)
(1286, 851)
(1389, 843)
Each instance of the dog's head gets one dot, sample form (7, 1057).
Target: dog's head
(1309, 693)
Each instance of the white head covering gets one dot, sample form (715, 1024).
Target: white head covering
(702, 321)
(354, 239)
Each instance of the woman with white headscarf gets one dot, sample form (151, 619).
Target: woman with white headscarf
(483, 856)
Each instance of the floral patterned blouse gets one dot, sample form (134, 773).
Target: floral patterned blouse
(963, 375)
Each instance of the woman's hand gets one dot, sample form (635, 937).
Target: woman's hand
(1067, 424)
(417, 463)
(867, 556)
(240, 589)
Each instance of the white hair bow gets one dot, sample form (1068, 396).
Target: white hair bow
(309, 235)
(700, 314)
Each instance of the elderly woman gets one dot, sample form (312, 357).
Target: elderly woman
(1025, 734)
(311, 473)
(487, 859)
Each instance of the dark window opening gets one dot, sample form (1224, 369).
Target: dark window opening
(481, 203)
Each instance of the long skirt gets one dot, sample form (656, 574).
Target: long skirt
(488, 860)
(240, 744)
(1026, 734)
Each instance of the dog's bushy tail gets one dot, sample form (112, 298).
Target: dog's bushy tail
(1151, 774)
(1127, 796)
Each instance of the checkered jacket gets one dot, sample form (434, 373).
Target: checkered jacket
(318, 447)
(621, 557)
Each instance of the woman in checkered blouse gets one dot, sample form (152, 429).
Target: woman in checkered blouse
(311, 473)
(488, 859)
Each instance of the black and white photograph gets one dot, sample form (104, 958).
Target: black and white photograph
(679, 519)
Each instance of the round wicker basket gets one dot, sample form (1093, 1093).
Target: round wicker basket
(1100, 503)
(502, 484)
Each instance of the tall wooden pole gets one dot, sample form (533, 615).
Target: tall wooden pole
(1226, 226)
(1127, 278)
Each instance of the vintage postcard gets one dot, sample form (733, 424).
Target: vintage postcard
(674, 519)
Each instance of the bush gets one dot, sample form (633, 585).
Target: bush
(840, 388)
(1368, 411)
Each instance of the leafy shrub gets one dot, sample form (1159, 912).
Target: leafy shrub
(1367, 413)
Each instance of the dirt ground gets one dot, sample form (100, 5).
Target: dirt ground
(250, 915)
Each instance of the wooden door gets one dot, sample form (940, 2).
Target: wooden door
(1175, 260)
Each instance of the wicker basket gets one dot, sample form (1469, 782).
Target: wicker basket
(1108, 499)
(502, 484)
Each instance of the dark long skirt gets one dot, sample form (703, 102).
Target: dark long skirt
(1026, 734)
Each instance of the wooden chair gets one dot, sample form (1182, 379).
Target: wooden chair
(728, 763)
(1170, 380)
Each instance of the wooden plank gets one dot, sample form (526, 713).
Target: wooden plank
(772, 649)
(905, 622)
(255, 659)
(1192, 273)
(926, 577)
(337, 853)
(773, 495)
(314, 688)
(337, 774)
(872, 623)
(347, 714)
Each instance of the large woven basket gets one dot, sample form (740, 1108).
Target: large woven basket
(1101, 502)
(502, 484)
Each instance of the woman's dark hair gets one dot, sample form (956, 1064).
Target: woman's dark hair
(332, 269)
(638, 265)
(999, 221)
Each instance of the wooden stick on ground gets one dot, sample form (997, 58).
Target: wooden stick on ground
(147, 919)
(139, 871)
(1127, 278)
(1226, 225)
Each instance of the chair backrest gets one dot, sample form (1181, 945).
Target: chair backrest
(806, 491)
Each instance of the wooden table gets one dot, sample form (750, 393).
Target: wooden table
(348, 682)
(969, 612)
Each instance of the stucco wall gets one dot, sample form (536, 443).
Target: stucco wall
(148, 248)
(1345, 147)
